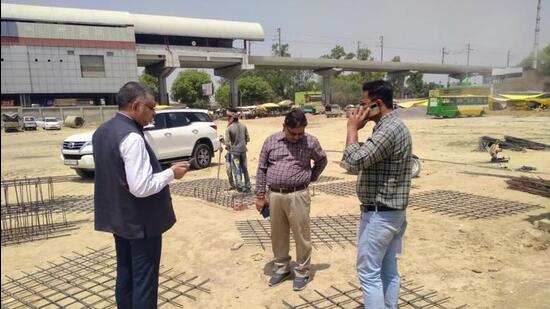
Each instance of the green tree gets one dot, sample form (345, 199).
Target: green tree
(281, 51)
(252, 90)
(543, 63)
(346, 89)
(151, 83)
(395, 80)
(187, 88)
(223, 94)
(415, 85)
(338, 52)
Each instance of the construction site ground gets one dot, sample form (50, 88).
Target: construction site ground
(485, 263)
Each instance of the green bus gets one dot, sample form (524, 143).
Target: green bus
(458, 101)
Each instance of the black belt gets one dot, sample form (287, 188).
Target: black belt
(287, 189)
(366, 208)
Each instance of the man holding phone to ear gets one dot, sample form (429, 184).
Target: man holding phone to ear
(384, 166)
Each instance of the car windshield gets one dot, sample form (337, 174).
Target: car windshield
(51, 120)
(29, 118)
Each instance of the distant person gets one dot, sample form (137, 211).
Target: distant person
(284, 171)
(236, 138)
(383, 185)
(131, 196)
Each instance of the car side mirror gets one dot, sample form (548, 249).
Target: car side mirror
(149, 127)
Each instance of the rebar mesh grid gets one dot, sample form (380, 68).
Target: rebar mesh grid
(231, 199)
(214, 191)
(187, 188)
(411, 296)
(325, 230)
(344, 189)
(53, 179)
(27, 213)
(87, 280)
(74, 203)
(465, 205)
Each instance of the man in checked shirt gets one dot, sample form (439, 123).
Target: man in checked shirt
(383, 185)
(285, 169)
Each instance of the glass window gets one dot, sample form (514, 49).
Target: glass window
(92, 66)
(160, 122)
(198, 117)
(177, 120)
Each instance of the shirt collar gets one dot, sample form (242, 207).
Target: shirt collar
(387, 116)
(280, 136)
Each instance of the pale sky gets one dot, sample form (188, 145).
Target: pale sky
(414, 30)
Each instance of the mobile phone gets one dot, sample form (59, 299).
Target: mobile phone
(374, 110)
(191, 161)
(265, 211)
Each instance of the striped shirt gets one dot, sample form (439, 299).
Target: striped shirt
(286, 165)
(384, 164)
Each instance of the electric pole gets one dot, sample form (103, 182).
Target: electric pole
(443, 53)
(358, 48)
(280, 47)
(508, 59)
(468, 50)
(381, 48)
(537, 31)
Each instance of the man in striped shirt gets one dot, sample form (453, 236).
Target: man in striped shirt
(383, 185)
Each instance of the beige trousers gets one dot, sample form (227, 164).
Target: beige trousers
(290, 212)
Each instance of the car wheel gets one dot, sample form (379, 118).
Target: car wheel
(202, 155)
(84, 174)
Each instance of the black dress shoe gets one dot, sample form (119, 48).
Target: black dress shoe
(278, 278)
(300, 283)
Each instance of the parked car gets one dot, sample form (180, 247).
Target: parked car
(29, 123)
(333, 111)
(174, 135)
(52, 123)
(12, 122)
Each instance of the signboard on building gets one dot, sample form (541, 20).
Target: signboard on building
(207, 89)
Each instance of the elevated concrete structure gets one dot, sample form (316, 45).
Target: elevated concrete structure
(327, 68)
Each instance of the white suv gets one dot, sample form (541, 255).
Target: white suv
(175, 134)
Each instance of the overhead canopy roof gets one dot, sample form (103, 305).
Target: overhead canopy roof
(143, 24)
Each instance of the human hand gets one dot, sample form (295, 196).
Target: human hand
(180, 169)
(358, 118)
(260, 202)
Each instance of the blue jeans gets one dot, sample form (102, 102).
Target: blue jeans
(229, 169)
(379, 240)
(240, 171)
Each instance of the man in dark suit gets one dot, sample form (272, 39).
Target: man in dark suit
(131, 196)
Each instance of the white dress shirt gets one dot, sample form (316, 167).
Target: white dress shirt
(139, 172)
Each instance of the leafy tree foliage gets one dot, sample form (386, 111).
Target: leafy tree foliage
(151, 83)
(187, 88)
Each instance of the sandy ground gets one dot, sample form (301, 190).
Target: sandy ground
(492, 263)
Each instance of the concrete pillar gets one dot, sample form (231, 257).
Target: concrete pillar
(234, 86)
(232, 73)
(327, 75)
(161, 72)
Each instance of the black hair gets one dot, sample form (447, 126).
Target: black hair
(295, 119)
(380, 89)
(128, 93)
